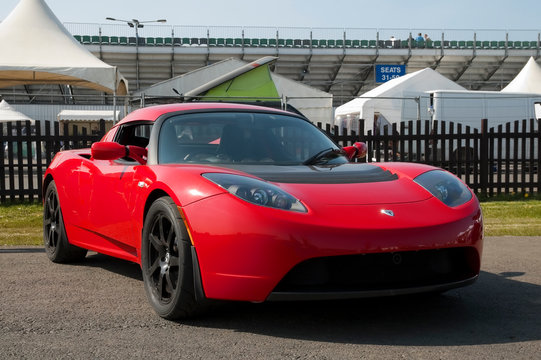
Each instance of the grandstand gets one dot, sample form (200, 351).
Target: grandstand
(339, 61)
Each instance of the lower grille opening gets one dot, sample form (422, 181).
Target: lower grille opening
(398, 270)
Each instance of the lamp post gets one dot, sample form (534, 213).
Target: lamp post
(136, 24)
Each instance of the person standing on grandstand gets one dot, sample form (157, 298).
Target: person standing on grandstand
(420, 37)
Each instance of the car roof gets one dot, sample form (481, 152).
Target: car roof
(152, 113)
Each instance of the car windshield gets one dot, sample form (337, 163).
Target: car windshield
(244, 137)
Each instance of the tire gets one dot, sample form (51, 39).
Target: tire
(166, 262)
(55, 240)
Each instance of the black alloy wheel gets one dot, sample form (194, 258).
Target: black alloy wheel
(57, 247)
(166, 262)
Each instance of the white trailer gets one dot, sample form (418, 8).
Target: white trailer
(469, 107)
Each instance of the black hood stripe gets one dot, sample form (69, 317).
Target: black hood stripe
(301, 174)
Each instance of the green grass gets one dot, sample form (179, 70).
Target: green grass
(519, 218)
(21, 224)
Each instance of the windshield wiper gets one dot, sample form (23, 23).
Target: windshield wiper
(321, 155)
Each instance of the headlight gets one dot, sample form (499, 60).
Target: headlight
(445, 186)
(256, 191)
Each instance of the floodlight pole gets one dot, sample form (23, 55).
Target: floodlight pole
(135, 23)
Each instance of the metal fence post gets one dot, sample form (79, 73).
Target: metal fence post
(102, 128)
(484, 156)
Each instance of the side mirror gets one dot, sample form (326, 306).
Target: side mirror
(356, 151)
(107, 150)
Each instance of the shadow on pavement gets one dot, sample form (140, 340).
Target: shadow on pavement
(114, 265)
(492, 311)
(497, 309)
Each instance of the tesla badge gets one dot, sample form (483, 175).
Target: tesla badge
(387, 212)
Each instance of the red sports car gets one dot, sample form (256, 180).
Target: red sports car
(239, 202)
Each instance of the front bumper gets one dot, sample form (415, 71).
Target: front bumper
(247, 252)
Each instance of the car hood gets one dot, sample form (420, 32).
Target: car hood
(347, 184)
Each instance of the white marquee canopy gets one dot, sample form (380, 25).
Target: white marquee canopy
(35, 48)
(9, 114)
(528, 80)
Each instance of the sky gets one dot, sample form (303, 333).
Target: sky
(381, 14)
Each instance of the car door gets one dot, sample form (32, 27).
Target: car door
(110, 190)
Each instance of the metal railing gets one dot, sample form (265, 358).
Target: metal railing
(510, 36)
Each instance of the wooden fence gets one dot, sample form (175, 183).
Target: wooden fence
(26, 150)
(500, 160)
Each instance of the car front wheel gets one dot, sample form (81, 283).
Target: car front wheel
(166, 262)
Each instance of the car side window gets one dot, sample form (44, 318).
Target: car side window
(134, 134)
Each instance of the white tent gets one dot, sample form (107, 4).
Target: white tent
(37, 49)
(87, 115)
(8, 114)
(397, 100)
(315, 104)
(528, 79)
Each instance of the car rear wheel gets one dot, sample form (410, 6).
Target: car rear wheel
(57, 247)
(166, 262)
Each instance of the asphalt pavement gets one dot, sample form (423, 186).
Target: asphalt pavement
(97, 309)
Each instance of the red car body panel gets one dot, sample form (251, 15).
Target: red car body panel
(245, 250)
